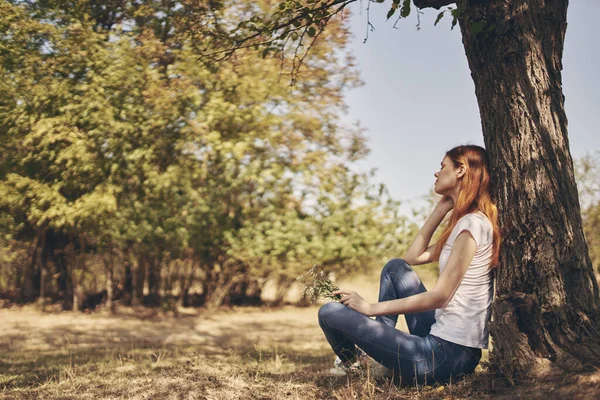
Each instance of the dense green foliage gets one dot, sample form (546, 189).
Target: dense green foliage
(131, 168)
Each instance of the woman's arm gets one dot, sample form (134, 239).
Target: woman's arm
(462, 254)
(420, 252)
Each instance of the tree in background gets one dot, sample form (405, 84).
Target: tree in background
(546, 312)
(131, 170)
(587, 172)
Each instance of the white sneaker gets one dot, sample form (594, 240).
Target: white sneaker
(341, 368)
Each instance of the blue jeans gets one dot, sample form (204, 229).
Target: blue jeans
(418, 357)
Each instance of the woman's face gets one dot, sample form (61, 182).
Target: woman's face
(447, 178)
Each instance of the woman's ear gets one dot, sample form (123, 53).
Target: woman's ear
(461, 171)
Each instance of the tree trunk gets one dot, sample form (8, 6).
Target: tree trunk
(28, 292)
(42, 260)
(154, 281)
(128, 283)
(546, 312)
(63, 276)
(140, 279)
(77, 292)
(108, 272)
(218, 296)
(77, 273)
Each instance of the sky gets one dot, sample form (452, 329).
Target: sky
(418, 98)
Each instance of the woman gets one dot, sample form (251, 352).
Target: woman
(448, 325)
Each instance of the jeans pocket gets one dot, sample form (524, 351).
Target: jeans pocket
(439, 353)
(436, 343)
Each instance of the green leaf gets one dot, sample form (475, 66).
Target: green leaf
(405, 9)
(439, 17)
(311, 31)
(455, 15)
(391, 12)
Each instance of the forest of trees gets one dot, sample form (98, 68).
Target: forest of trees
(132, 170)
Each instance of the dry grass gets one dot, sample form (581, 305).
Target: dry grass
(239, 354)
(247, 353)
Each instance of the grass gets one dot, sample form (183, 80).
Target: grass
(242, 353)
(239, 354)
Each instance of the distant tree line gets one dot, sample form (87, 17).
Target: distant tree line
(132, 170)
(588, 180)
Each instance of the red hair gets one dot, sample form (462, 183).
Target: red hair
(474, 194)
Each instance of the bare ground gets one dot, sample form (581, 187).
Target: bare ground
(241, 353)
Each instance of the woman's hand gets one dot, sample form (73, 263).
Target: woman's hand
(354, 301)
(445, 204)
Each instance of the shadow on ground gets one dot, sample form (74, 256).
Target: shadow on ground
(38, 348)
(247, 353)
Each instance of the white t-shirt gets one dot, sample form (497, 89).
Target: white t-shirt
(464, 320)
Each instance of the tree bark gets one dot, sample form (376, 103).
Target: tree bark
(154, 280)
(128, 283)
(140, 280)
(108, 271)
(546, 312)
(28, 291)
(185, 274)
(77, 273)
(42, 260)
(63, 276)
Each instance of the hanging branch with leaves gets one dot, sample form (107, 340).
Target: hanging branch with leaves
(297, 23)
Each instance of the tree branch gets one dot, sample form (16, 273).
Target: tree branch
(437, 4)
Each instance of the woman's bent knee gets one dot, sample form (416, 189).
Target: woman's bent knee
(329, 310)
(396, 265)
